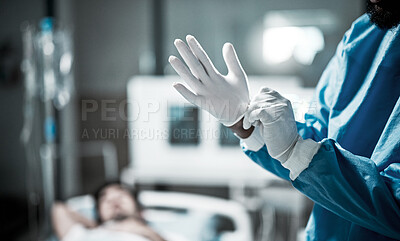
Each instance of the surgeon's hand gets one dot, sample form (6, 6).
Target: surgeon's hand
(273, 114)
(226, 97)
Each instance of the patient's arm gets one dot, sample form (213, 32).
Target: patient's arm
(64, 219)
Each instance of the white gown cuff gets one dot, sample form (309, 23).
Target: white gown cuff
(301, 156)
(254, 142)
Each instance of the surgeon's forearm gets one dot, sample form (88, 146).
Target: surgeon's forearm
(240, 131)
(351, 187)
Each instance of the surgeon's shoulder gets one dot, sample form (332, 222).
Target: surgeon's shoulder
(362, 22)
(359, 28)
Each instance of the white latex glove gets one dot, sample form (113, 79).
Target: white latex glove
(276, 117)
(226, 97)
(273, 114)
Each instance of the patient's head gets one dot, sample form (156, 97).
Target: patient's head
(114, 201)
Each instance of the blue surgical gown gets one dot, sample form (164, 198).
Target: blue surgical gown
(354, 179)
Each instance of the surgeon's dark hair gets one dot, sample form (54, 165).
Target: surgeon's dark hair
(99, 191)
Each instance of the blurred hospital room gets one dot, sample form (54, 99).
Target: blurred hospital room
(90, 117)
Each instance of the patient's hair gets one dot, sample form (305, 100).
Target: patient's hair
(98, 193)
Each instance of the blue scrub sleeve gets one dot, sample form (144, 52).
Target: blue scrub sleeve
(346, 184)
(263, 159)
(352, 187)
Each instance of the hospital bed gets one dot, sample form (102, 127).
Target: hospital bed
(187, 216)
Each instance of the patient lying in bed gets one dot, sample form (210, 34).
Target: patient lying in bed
(119, 219)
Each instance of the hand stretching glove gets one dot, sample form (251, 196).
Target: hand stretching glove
(226, 97)
(273, 114)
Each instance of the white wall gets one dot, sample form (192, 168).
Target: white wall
(110, 37)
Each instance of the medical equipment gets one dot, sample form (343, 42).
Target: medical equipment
(226, 97)
(48, 84)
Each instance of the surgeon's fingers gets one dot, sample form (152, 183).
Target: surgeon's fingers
(264, 91)
(248, 119)
(255, 115)
(264, 97)
(268, 113)
(246, 123)
(262, 111)
(191, 60)
(252, 118)
(198, 50)
(187, 94)
(231, 60)
(185, 73)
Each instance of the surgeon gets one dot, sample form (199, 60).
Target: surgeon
(346, 156)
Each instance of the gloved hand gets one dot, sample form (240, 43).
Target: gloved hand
(273, 114)
(226, 97)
